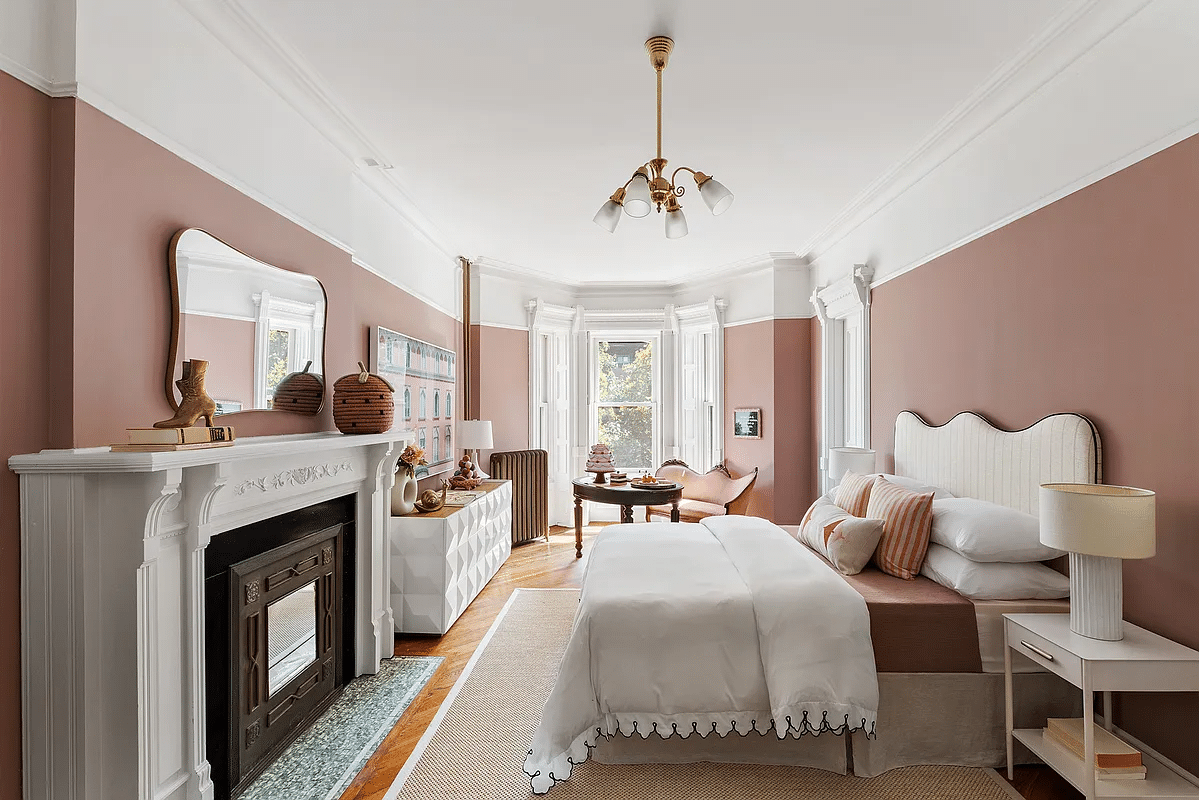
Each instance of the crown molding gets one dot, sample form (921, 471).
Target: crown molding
(1069, 35)
(37, 80)
(768, 318)
(779, 261)
(283, 69)
(501, 325)
(494, 268)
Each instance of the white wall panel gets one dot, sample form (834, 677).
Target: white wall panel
(37, 42)
(388, 245)
(1135, 92)
(154, 67)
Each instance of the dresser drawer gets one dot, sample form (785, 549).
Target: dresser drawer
(1044, 653)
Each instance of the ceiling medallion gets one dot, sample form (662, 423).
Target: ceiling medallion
(649, 185)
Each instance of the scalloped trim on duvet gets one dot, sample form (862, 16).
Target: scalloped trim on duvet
(683, 726)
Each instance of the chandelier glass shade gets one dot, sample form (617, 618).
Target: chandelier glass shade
(649, 188)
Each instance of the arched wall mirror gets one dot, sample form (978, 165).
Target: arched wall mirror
(253, 322)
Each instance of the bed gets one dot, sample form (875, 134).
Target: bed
(937, 657)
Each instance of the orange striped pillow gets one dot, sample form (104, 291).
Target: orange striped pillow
(854, 493)
(907, 523)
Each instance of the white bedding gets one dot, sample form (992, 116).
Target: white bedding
(728, 625)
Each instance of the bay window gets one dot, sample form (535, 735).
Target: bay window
(625, 375)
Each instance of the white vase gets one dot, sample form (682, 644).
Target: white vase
(403, 495)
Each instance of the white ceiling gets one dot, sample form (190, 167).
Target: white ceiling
(509, 124)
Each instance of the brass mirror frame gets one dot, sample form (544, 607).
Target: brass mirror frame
(177, 314)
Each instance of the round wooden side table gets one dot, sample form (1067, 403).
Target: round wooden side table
(625, 496)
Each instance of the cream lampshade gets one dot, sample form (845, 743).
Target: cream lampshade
(849, 459)
(1099, 526)
(475, 434)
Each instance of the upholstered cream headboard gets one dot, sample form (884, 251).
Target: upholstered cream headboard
(972, 458)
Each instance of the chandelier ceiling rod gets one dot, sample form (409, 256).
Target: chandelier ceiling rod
(659, 70)
(649, 184)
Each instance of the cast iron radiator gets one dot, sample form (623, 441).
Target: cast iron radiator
(529, 472)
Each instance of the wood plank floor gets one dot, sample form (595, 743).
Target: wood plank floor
(548, 566)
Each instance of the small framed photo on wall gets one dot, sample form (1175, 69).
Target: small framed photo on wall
(747, 423)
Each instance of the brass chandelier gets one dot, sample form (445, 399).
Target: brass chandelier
(649, 186)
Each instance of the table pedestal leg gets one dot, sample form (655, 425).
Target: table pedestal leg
(626, 514)
(674, 511)
(578, 527)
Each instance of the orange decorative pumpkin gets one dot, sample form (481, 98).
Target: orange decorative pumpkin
(363, 403)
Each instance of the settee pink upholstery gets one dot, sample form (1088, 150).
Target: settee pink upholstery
(707, 494)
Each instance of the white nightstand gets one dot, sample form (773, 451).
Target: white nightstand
(1141, 662)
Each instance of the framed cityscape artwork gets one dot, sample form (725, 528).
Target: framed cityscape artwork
(425, 380)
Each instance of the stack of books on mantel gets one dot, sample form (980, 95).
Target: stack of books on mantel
(1115, 759)
(161, 440)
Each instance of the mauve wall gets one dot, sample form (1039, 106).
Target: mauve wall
(86, 215)
(130, 196)
(767, 365)
(25, 365)
(794, 475)
(377, 302)
(1086, 305)
(501, 367)
(229, 344)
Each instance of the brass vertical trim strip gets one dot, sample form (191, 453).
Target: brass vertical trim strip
(466, 354)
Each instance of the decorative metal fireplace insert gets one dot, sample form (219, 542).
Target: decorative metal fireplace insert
(278, 601)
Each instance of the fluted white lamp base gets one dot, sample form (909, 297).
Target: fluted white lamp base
(1097, 597)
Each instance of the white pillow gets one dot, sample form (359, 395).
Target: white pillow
(846, 541)
(983, 531)
(993, 581)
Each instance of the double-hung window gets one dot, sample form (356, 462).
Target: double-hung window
(625, 385)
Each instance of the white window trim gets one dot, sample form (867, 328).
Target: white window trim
(655, 404)
(303, 320)
(845, 300)
(700, 320)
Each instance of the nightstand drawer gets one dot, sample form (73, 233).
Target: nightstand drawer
(1045, 653)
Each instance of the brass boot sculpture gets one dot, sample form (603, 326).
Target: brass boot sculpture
(194, 401)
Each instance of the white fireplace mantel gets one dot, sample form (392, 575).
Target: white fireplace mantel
(112, 597)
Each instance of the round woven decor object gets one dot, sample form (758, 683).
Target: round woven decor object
(363, 403)
(302, 392)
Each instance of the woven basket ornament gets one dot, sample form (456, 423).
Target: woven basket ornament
(302, 392)
(363, 403)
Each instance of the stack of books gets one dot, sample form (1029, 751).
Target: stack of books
(1115, 759)
(161, 440)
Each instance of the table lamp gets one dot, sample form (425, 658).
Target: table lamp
(1099, 526)
(475, 434)
(849, 459)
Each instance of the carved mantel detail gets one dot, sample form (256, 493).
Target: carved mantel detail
(300, 476)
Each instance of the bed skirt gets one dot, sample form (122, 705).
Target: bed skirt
(923, 718)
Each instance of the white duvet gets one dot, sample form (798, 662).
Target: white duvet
(729, 625)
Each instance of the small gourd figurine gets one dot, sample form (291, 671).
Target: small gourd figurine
(466, 477)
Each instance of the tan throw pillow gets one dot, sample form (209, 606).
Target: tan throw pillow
(853, 494)
(821, 517)
(851, 543)
(845, 540)
(907, 522)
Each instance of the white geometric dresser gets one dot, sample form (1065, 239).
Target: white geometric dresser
(441, 561)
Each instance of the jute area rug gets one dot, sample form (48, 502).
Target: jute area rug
(476, 744)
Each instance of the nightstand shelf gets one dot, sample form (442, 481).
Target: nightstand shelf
(1140, 662)
(1161, 782)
